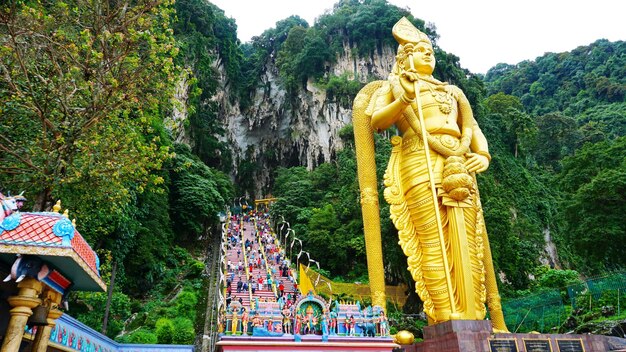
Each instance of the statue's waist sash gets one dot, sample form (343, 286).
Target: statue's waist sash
(413, 169)
(412, 165)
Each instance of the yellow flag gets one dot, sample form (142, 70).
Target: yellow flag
(305, 284)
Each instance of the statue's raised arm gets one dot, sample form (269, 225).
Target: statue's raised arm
(430, 183)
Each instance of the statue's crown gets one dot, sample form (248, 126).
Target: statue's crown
(405, 32)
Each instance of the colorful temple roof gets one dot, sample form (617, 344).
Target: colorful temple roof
(52, 237)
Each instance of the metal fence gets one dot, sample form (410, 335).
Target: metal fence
(539, 312)
(546, 311)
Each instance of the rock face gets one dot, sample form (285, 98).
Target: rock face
(279, 130)
(550, 256)
(176, 121)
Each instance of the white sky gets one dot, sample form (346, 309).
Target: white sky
(482, 33)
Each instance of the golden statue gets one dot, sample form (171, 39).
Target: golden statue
(429, 183)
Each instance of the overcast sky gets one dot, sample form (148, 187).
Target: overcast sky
(481, 33)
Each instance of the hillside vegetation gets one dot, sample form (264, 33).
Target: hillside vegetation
(86, 116)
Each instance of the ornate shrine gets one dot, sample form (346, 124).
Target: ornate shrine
(44, 257)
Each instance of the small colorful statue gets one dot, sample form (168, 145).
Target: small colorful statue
(244, 321)
(256, 321)
(333, 322)
(298, 329)
(8, 205)
(287, 320)
(324, 322)
(384, 324)
(352, 325)
(235, 322)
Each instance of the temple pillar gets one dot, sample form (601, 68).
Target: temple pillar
(23, 304)
(51, 300)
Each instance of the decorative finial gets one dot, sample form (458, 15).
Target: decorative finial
(66, 213)
(57, 207)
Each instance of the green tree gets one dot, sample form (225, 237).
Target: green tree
(90, 307)
(285, 60)
(558, 137)
(594, 203)
(568, 82)
(518, 127)
(198, 193)
(150, 244)
(75, 92)
(183, 332)
(546, 277)
(141, 336)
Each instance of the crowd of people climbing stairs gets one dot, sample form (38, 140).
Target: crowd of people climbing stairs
(257, 269)
(261, 289)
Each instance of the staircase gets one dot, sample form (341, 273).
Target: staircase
(249, 229)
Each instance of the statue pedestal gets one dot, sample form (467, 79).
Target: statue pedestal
(476, 336)
(455, 335)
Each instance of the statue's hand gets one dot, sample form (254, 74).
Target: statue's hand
(407, 81)
(476, 163)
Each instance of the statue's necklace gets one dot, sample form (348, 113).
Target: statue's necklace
(444, 98)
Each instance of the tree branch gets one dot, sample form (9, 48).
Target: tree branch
(20, 60)
(16, 155)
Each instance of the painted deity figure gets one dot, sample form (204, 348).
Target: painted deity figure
(383, 324)
(352, 326)
(324, 322)
(333, 322)
(9, 205)
(298, 328)
(256, 321)
(287, 320)
(235, 322)
(430, 180)
(310, 320)
(220, 322)
(244, 322)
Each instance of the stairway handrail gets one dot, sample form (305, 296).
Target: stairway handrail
(245, 263)
(223, 259)
(267, 268)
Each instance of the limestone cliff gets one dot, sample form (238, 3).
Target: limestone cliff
(278, 130)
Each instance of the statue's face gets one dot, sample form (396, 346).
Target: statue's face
(423, 59)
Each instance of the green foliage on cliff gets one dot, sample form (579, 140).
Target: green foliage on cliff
(364, 25)
(341, 89)
(302, 52)
(323, 209)
(570, 82)
(577, 105)
(594, 183)
(204, 33)
(83, 105)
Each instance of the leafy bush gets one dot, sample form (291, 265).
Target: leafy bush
(90, 307)
(183, 332)
(342, 89)
(141, 336)
(164, 331)
(196, 268)
(185, 305)
(545, 277)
